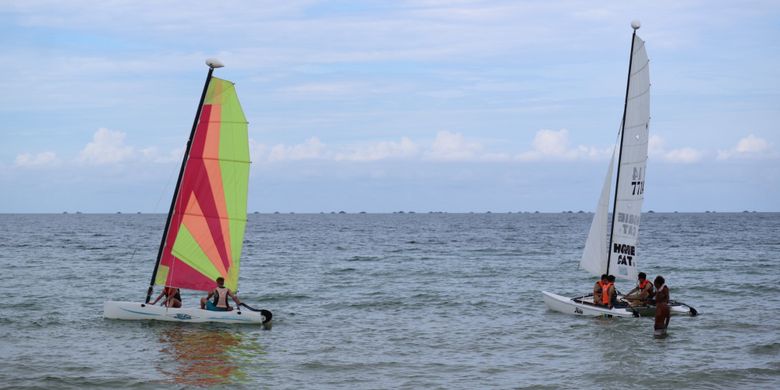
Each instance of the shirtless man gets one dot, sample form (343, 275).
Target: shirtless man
(662, 313)
(220, 294)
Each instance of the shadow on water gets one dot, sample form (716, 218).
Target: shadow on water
(207, 356)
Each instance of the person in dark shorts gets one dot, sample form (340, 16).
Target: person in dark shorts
(662, 312)
(220, 298)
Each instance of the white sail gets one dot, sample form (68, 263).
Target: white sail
(594, 257)
(631, 171)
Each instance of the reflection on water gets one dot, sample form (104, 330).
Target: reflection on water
(206, 356)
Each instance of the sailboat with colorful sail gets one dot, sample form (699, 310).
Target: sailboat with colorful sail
(618, 254)
(204, 232)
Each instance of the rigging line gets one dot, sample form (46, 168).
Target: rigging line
(154, 210)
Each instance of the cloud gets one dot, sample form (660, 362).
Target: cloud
(685, 155)
(554, 145)
(43, 159)
(153, 154)
(381, 150)
(107, 147)
(748, 147)
(311, 149)
(446, 146)
(453, 146)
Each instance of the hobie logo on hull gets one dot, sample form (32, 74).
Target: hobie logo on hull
(577, 310)
(182, 316)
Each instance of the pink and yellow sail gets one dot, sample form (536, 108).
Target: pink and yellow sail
(209, 216)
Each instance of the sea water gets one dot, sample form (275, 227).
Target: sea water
(392, 301)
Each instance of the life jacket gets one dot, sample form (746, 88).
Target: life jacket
(605, 298)
(170, 290)
(220, 297)
(644, 284)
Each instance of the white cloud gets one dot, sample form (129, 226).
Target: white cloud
(107, 147)
(311, 149)
(685, 155)
(446, 146)
(453, 146)
(43, 159)
(748, 147)
(381, 150)
(554, 145)
(153, 154)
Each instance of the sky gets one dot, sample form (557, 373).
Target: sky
(383, 106)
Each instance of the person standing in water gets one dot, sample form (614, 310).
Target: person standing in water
(220, 294)
(662, 313)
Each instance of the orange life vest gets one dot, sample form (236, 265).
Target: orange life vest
(643, 284)
(605, 298)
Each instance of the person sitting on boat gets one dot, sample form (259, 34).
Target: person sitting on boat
(597, 288)
(607, 294)
(662, 312)
(220, 294)
(172, 297)
(643, 290)
(611, 293)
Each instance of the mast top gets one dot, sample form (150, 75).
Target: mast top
(214, 63)
(635, 24)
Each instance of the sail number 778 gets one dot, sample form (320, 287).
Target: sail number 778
(638, 181)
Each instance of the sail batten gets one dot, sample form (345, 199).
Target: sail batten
(209, 213)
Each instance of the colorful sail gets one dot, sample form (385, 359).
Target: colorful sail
(206, 231)
(630, 185)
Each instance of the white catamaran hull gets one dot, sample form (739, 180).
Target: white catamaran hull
(583, 306)
(570, 306)
(142, 311)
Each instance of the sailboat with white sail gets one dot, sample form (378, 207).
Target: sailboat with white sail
(618, 255)
(204, 231)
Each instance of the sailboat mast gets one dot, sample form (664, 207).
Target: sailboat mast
(635, 26)
(212, 65)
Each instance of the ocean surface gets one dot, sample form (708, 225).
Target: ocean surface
(372, 301)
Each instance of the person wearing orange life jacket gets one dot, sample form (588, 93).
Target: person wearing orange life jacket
(642, 292)
(220, 295)
(598, 287)
(608, 293)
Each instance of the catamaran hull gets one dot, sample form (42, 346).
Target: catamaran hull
(584, 306)
(141, 311)
(569, 306)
